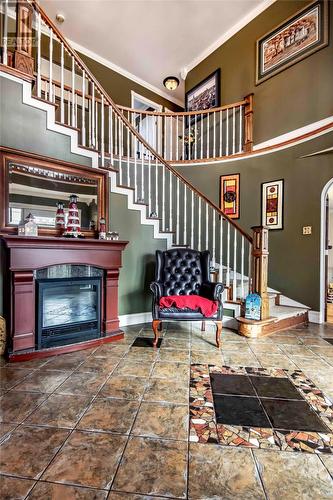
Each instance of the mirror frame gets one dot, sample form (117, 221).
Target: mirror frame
(100, 176)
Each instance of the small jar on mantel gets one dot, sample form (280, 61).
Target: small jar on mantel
(102, 229)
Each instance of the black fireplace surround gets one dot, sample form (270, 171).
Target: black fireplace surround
(68, 310)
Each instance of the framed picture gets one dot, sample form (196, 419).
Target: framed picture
(296, 38)
(272, 204)
(229, 195)
(205, 95)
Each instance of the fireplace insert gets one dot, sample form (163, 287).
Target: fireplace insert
(68, 310)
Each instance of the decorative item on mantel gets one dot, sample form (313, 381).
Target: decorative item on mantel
(60, 217)
(102, 229)
(73, 229)
(112, 235)
(253, 307)
(28, 227)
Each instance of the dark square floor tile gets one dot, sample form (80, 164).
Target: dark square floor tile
(146, 342)
(271, 387)
(293, 415)
(329, 340)
(238, 410)
(231, 384)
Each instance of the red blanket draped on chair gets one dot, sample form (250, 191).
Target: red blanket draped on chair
(207, 307)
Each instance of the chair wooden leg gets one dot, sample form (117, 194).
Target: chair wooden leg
(203, 326)
(218, 332)
(160, 326)
(156, 324)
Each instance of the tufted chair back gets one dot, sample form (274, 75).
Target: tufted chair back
(182, 271)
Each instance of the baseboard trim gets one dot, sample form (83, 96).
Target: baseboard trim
(135, 319)
(314, 317)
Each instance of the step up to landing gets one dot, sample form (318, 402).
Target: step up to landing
(282, 318)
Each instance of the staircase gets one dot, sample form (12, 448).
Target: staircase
(78, 106)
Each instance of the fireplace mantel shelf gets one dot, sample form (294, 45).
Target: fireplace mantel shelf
(24, 255)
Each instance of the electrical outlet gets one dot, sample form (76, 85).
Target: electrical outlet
(307, 229)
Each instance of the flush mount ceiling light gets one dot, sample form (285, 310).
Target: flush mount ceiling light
(60, 18)
(171, 82)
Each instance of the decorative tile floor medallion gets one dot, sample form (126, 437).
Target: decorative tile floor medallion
(270, 408)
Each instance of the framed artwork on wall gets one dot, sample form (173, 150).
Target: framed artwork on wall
(205, 95)
(229, 195)
(296, 38)
(272, 204)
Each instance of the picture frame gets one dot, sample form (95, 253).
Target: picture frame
(204, 95)
(229, 195)
(272, 204)
(295, 39)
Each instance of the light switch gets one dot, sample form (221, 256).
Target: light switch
(307, 229)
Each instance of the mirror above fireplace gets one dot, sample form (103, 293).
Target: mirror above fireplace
(33, 185)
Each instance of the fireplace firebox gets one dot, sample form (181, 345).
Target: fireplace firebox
(68, 310)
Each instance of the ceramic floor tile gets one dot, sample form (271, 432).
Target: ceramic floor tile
(114, 495)
(44, 381)
(327, 352)
(112, 349)
(60, 410)
(28, 450)
(83, 383)
(53, 491)
(174, 355)
(119, 386)
(270, 387)
(239, 410)
(170, 391)
(285, 340)
(177, 371)
(275, 361)
(292, 415)
(231, 384)
(135, 369)
(98, 365)
(87, 459)
(16, 406)
(315, 341)
(14, 488)
(304, 476)
(216, 472)
(176, 343)
(266, 349)
(153, 467)
(141, 353)
(328, 462)
(6, 429)
(297, 350)
(162, 420)
(110, 415)
(66, 362)
(240, 359)
(210, 357)
(9, 377)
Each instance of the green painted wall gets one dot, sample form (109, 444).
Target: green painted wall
(293, 98)
(139, 257)
(24, 127)
(294, 258)
(119, 87)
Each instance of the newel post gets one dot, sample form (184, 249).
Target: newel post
(260, 267)
(248, 123)
(23, 60)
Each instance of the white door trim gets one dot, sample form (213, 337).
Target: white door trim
(322, 249)
(145, 100)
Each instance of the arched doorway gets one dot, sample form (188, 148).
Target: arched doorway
(326, 254)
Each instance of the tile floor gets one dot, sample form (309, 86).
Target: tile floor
(113, 422)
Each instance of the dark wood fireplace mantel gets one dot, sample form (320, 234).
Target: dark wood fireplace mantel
(24, 255)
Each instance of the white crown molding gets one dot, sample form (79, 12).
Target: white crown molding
(124, 72)
(230, 33)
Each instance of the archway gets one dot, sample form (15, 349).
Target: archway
(326, 254)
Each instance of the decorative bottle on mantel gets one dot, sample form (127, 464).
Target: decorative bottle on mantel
(73, 229)
(102, 229)
(60, 217)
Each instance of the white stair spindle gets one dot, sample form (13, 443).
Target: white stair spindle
(92, 139)
(183, 139)
(178, 214)
(221, 249)
(83, 115)
(234, 282)
(192, 218)
(163, 198)
(102, 132)
(201, 136)
(170, 200)
(73, 92)
(68, 109)
(51, 65)
(242, 269)
(199, 223)
(214, 137)
(120, 139)
(233, 130)
(5, 33)
(195, 137)
(135, 168)
(111, 134)
(170, 140)
(96, 125)
(221, 136)
(156, 189)
(207, 153)
(89, 122)
(213, 237)
(249, 268)
(142, 173)
(62, 108)
(240, 128)
(128, 157)
(207, 226)
(177, 137)
(39, 76)
(149, 186)
(185, 215)
(228, 256)
(227, 134)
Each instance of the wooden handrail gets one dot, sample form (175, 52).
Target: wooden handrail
(185, 113)
(119, 113)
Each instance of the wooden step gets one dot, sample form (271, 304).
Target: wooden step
(256, 329)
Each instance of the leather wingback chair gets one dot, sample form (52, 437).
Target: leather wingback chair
(183, 271)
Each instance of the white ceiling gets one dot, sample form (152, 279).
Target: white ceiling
(152, 39)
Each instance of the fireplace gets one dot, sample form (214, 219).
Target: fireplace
(68, 310)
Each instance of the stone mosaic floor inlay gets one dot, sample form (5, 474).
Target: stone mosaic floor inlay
(259, 408)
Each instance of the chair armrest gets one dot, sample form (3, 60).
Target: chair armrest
(212, 291)
(156, 288)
